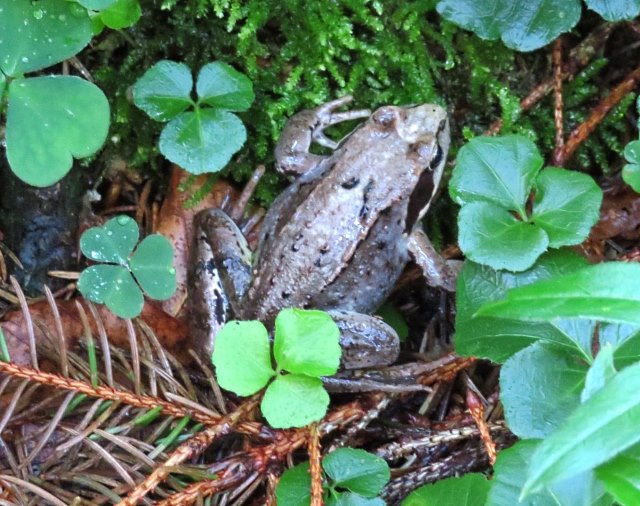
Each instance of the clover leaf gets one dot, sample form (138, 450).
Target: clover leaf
(494, 180)
(112, 282)
(205, 138)
(631, 171)
(306, 347)
(351, 477)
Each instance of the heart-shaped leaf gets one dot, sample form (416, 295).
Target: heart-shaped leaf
(615, 10)
(294, 400)
(203, 140)
(152, 265)
(499, 170)
(114, 286)
(515, 245)
(220, 85)
(631, 171)
(36, 35)
(164, 91)
(111, 243)
(121, 14)
(44, 135)
(567, 205)
(307, 342)
(96, 5)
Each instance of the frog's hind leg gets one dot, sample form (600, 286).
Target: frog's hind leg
(366, 340)
(219, 276)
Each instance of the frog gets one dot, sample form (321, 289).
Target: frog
(338, 237)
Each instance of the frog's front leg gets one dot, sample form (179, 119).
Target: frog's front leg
(439, 273)
(304, 128)
(219, 275)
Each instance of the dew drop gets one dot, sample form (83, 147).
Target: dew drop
(123, 220)
(38, 13)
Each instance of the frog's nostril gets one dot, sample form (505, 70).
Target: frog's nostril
(384, 117)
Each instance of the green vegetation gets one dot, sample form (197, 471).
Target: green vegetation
(351, 477)
(112, 282)
(305, 347)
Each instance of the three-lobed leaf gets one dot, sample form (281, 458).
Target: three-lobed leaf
(113, 286)
(43, 135)
(152, 265)
(306, 342)
(112, 242)
(164, 91)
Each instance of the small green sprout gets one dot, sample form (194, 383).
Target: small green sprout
(306, 347)
(112, 281)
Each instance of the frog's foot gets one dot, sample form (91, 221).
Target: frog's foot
(438, 272)
(304, 128)
(326, 116)
(366, 341)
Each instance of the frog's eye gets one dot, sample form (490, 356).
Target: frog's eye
(384, 116)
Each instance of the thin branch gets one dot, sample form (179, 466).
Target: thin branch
(558, 103)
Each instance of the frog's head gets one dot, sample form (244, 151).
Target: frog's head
(425, 130)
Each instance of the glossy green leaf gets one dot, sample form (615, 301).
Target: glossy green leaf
(523, 25)
(294, 486)
(615, 10)
(96, 5)
(495, 338)
(113, 242)
(631, 171)
(220, 85)
(352, 499)
(510, 472)
(566, 206)
(164, 91)
(203, 140)
(625, 339)
(43, 135)
(607, 291)
(121, 14)
(539, 388)
(152, 266)
(3, 86)
(498, 170)
(242, 357)
(515, 245)
(294, 400)
(357, 470)
(600, 372)
(114, 286)
(468, 490)
(307, 342)
(598, 430)
(621, 476)
(36, 35)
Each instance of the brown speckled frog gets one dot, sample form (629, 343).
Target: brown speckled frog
(338, 237)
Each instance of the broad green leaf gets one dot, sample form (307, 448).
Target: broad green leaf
(621, 476)
(294, 487)
(294, 400)
(523, 25)
(539, 388)
(113, 242)
(598, 430)
(36, 35)
(3, 86)
(498, 170)
(164, 91)
(307, 342)
(607, 291)
(242, 357)
(468, 490)
(600, 372)
(631, 171)
(220, 85)
(152, 265)
(203, 140)
(495, 338)
(352, 499)
(566, 206)
(121, 14)
(625, 339)
(510, 472)
(44, 135)
(615, 10)
(114, 286)
(514, 245)
(96, 5)
(357, 470)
